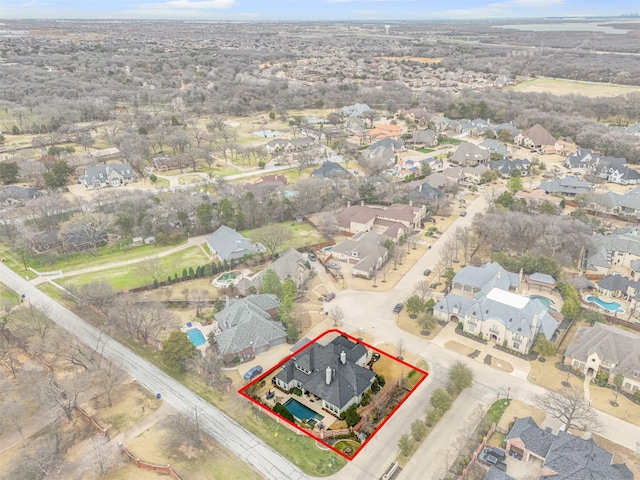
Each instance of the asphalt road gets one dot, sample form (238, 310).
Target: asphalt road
(223, 429)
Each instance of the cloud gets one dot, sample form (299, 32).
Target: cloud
(190, 4)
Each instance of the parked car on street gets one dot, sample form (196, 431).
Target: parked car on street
(329, 296)
(398, 308)
(463, 213)
(427, 272)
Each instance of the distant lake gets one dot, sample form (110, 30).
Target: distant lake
(565, 27)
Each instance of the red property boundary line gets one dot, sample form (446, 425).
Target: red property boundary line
(307, 432)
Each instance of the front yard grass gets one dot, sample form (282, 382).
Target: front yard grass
(303, 234)
(129, 276)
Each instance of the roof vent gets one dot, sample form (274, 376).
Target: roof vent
(519, 329)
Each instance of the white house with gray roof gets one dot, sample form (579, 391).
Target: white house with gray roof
(617, 249)
(569, 186)
(604, 348)
(334, 373)
(623, 204)
(485, 301)
(227, 244)
(102, 176)
(564, 456)
(290, 265)
(249, 327)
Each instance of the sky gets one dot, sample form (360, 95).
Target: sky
(270, 10)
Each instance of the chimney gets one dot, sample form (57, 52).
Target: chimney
(421, 187)
(534, 324)
(327, 375)
(343, 358)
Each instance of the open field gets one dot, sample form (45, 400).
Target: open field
(558, 86)
(302, 235)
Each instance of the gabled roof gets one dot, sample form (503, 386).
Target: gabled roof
(496, 146)
(348, 380)
(357, 109)
(539, 135)
(535, 439)
(330, 170)
(570, 185)
(101, 172)
(368, 246)
(253, 332)
(229, 244)
(623, 240)
(486, 277)
(575, 458)
(613, 344)
(469, 153)
(495, 474)
(289, 264)
(542, 278)
(424, 190)
(15, 192)
(618, 283)
(239, 310)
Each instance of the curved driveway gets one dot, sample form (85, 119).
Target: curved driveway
(223, 429)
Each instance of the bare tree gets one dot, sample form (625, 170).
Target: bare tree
(185, 432)
(9, 357)
(107, 378)
(209, 368)
(97, 295)
(422, 289)
(13, 416)
(142, 320)
(199, 298)
(569, 406)
(327, 223)
(42, 459)
(336, 314)
(400, 348)
(273, 236)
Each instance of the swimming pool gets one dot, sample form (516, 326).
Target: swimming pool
(226, 279)
(547, 302)
(196, 337)
(614, 307)
(302, 412)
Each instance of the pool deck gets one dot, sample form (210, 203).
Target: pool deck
(205, 329)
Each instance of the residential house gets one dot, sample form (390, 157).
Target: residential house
(505, 166)
(564, 456)
(249, 327)
(618, 249)
(423, 192)
(44, 241)
(112, 175)
(612, 169)
(473, 174)
(626, 204)
(604, 348)
(495, 474)
(474, 127)
(393, 221)
(618, 286)
(356, 110)
(266, 184)
(424, 138)
(534, 197)
(290, 265)
(335, 374)
(635, 270)
(379, 132)
(541, 280)
(280, 145)
(468, 154)
(330, 170)
(435, 164)
(15, 195)
(226, 244)
(104, 154)
(166, 163)
(569, 186)
(495, 147)
(485, 301)
(535, 137)
(564, 146)
(365, 251)
(513, 131)
(395, 144)
(444, 124)
(381, 153)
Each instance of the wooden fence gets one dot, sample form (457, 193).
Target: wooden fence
(154, 467)
(101, 430)
(474, 455)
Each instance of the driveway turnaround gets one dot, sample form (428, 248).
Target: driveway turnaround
(223, 429)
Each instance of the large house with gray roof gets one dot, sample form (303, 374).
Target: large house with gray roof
(564, 456)
(365, 251)
(335, 373)
(468, 154)
(393, 221)
(622, 204)
(226, 244)
(612, 169)
(569, 186)
(249, 327)
(485, 301)
(102, 176)
(535, 137)
(618, 249)
(290, 265)
(603, 348)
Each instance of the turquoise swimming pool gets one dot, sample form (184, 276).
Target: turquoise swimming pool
(302, 412)
(196, 337)
(613, 307)
(547, 302)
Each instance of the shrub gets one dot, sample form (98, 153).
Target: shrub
(297, 391)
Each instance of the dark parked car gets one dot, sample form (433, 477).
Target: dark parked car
(312, 257)
(398, 308)
(493, 456)
(427, 272)
(252, 373)
(329, 296)
(463, 213)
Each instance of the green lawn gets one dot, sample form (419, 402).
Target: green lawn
(130, 276)
(301, 450)
(105, 255)
(425, 150)
(187, 179)
(450, 141)
(303, 235)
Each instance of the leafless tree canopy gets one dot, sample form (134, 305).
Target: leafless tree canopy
(570, 407)
(273, 236)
